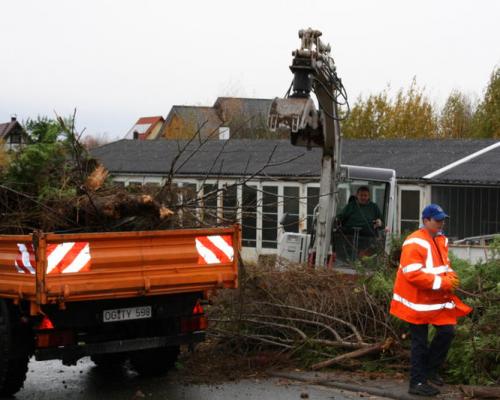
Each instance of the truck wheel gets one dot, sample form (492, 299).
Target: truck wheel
(12, 370)
(154, 361)
(111, 360)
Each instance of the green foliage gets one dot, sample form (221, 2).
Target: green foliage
(368, 118)
(45, 167)
(487, 116)
(409, 115)
(37, 165)
(455, 120)
(475, 354)
(4, 157)
(43, 130)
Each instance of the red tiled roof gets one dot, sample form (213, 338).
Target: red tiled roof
(149, 120)
(144, 126)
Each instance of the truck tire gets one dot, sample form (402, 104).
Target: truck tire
(111, 360)
(12, 370)
(154, 361)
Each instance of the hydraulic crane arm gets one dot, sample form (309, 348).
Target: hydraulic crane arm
(314, 71)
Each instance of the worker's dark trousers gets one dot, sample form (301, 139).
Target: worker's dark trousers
(426, 360)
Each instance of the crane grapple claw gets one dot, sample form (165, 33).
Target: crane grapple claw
(300, 117)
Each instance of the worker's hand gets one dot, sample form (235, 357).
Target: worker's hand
(452, 274)
(451, 282)
(377, 223)
(455, 282)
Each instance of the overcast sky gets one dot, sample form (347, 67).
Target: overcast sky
(118, 60)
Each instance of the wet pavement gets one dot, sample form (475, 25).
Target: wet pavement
(50, 380)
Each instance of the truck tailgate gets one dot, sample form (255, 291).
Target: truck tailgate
(49, 268)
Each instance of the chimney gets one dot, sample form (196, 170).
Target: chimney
(224, 133)
(13, 118)
(136, 135)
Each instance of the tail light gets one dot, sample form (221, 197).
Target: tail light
(196, 322)
(48, 336)
(45, 324)
(198, 309)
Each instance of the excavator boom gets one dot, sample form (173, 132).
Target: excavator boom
(314, 71)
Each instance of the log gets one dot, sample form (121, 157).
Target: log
(481, 392)
(97, 178)
(376, 348)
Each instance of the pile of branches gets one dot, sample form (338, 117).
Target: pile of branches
(322, 318)
(54, 185)
(318, 313)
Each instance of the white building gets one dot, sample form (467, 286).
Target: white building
(461, 175)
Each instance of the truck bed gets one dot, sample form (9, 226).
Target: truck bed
(47, 268)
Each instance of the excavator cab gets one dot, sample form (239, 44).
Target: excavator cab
(348, 243)
(354, 234)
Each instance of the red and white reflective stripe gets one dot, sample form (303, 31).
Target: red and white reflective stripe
(423, 307)
(438, 270)
(68, 257)
(434, 270)
(25, 261)
(437, 283)
(215, 249)
(426, 245)
(63, 258)
(411, 267)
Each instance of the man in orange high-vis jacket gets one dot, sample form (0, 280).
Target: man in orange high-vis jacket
(423, 295)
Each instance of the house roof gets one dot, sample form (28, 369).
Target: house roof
(482, 169)
(143, 127)
(204, 119)
(253, 110)
(150, 120)
(7, 127)
(412, 159)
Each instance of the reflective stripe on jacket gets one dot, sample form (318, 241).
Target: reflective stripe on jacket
(422, 290)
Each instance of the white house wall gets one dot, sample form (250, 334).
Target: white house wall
(250, 253)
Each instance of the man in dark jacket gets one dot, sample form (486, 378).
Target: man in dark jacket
(361, 213)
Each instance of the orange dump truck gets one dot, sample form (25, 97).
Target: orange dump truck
(111, 296)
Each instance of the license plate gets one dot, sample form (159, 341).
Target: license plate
(126, 314)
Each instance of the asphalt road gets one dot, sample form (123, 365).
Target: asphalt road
(50, 380)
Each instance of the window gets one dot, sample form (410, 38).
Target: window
(291, 208)
(210, 204)
(188, 199)
(269, 217)
(249, 216)
(473, 211)
(229, 204)
(410, 210)
(188, 194)
(379, 197)
(15, 138)
(342, 196)
(312, 202)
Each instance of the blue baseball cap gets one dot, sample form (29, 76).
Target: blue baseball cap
(433, 211)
